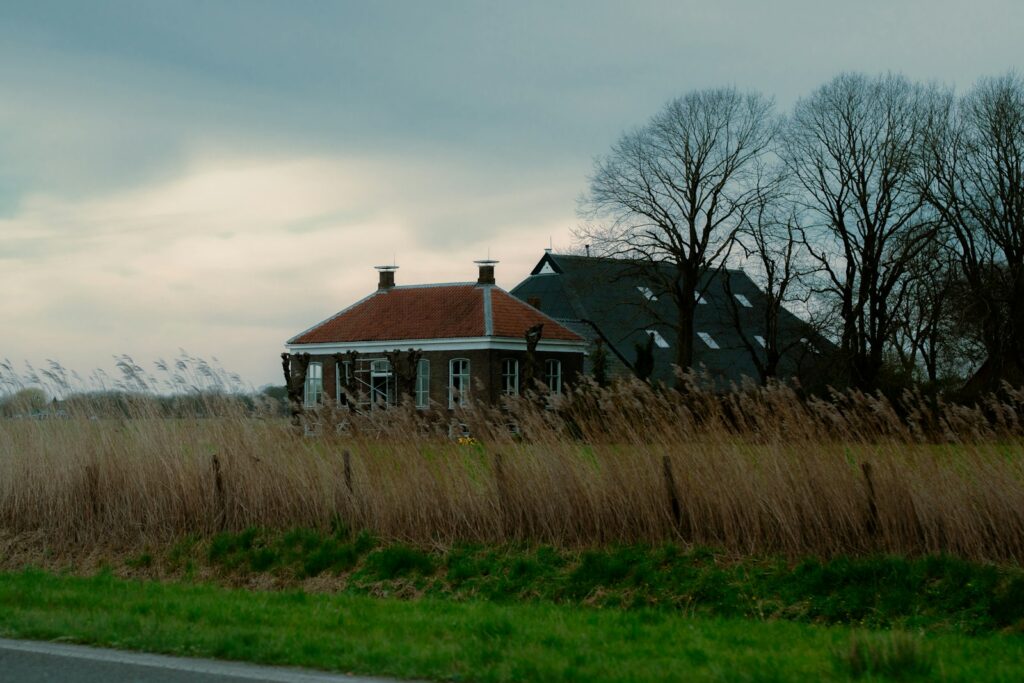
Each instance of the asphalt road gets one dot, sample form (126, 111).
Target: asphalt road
(25, 661)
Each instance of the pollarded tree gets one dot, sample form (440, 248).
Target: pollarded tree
(975, 181)
(676, 190)
(853, 148)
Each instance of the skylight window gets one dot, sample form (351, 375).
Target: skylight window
(759, 339)
(709, 340)
(743, 300)
(658, 339)
(646, 291)
(807, 342)
(699, 298)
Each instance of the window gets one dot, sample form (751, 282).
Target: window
(658, 339)
(759, 339)
(646, 291)
(458, 382)
(699, 298)
(314, 390)
(510, 377)
(553, 375)
(707, 339)
(423, 383)
(743, 300)
(381, 386)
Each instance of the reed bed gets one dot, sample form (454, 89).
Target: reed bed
(754, 471)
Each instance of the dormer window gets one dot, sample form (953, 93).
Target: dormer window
(708, 339)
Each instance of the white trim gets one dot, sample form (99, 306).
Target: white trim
(453, 344)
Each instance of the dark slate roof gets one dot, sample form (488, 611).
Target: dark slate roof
(609, 298)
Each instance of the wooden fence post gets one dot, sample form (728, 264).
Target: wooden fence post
(220, 499)
(673, 495)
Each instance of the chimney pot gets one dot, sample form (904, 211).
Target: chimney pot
(486, 272)
(386, 279)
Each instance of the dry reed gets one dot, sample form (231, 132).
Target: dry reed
(758, 470)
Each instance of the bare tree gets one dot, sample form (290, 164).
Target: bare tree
(776, 259)
(976, 183)
(676, 190)
(853, 148)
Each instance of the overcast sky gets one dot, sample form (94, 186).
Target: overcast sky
(218, 176)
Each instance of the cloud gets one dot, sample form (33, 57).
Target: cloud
(237, 255)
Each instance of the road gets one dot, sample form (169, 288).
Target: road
(25, 661)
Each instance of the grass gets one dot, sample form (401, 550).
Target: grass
(441, 639)
(941, 594)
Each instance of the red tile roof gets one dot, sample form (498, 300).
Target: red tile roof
(432, 312)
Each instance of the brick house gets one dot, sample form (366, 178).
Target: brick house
(439, 345)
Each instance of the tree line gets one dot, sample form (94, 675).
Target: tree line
(889, 213)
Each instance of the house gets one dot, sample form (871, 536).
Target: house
(438, 344)
(620, 304)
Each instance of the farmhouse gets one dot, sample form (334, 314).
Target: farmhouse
(622, 304)
(437, 344)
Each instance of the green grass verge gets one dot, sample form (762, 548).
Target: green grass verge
(934, 593)
(479, 640)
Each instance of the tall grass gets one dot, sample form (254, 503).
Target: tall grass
(758, 470)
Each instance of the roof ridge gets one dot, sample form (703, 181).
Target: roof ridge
(469, 283)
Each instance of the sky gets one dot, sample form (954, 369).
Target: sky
(218, 176)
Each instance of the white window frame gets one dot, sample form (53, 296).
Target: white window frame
(423, 383)
(313, 390)
(553, 375)
(709, 340)
(510, 377)
(744, 301)
(458, 397)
